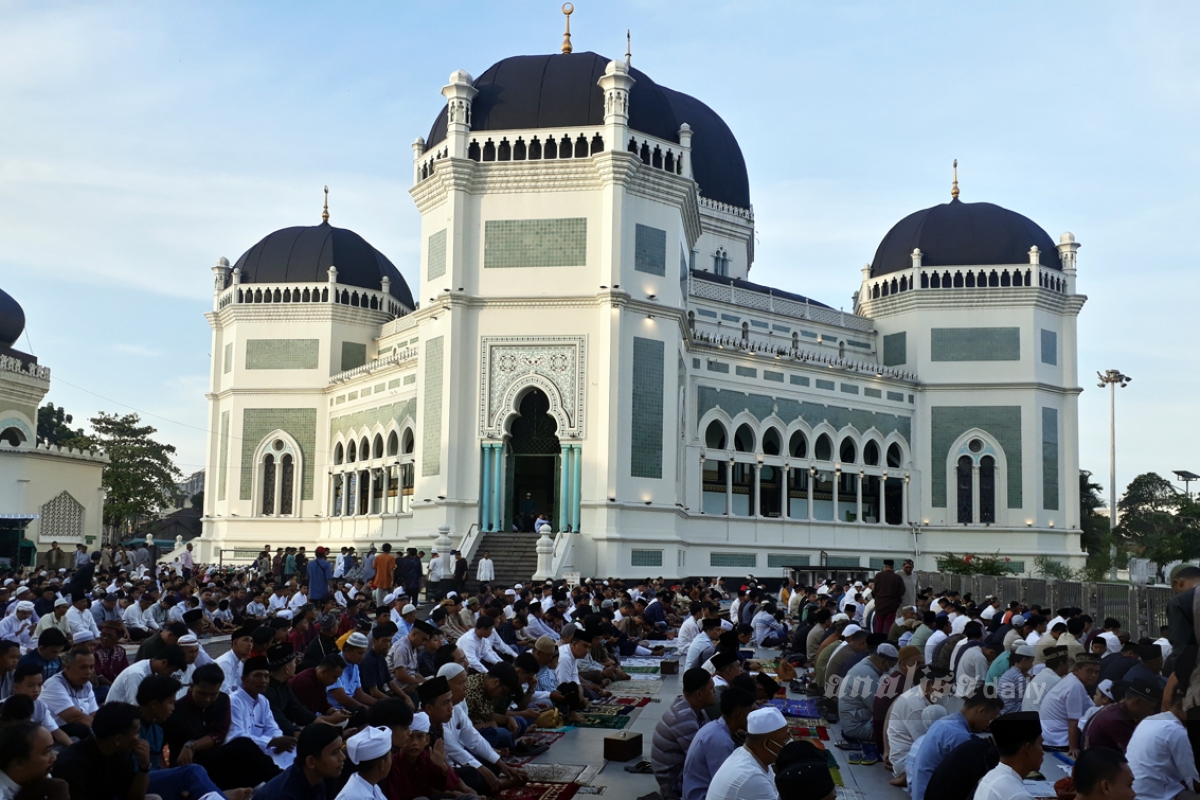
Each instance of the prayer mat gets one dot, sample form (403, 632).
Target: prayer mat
(642, 670)
(553, 773)
(609, 723)
(543, 737)
(819, 732)
(636, 702)
(796, 708)
(640, 677)
(642, 688)
(626, 663)
(540, 791)
(592, 790)
(773, 665)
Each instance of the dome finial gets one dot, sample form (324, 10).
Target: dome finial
(628, 48)
(954, 188)
(325, 210)
(567, 10)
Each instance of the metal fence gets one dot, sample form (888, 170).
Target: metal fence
(1140, 609)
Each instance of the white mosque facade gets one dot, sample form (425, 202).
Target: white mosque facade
(585, 342)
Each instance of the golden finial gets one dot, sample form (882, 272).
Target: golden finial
(325, 211)
(567, 9)
(954, 189)
(628, 48)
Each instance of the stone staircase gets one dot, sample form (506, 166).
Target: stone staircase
(514, 556)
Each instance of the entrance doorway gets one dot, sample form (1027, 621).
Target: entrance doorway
(534, 458)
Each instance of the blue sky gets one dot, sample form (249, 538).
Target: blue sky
(142, 141)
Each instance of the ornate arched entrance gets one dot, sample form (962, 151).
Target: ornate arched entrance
(533, 464)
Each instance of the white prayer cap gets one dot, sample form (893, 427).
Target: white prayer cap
(451, 594)
(62, 601)
(839, 618)
(512, 592)
(1025, 651)
(1105, 688)
(518, 587)
(509, 613)
(823, 590)
(389, 599)
(369, 743)
(83, 636)
(22, 590)
(959, 624)
(850, 630)
(420, 723)
(25, 605)
(188, 640)
(408, 609)
(358, 640)
(858, 584)
(450, 670)
(283, 613)
(765, 720)
(41, 574)
(886, 650)
(62, 569)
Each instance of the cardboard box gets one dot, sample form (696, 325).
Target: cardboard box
(669, 667)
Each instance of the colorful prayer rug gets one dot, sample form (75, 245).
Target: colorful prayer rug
(547, 738)
(642, 670)
(818, 732)
(540, 791)
(641, 688)
(552, 773)
(796, 708)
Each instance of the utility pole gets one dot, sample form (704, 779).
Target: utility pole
(1112, 379)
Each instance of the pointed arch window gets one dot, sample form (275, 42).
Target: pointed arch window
(279, 464)
(965, 482)
(987, 489)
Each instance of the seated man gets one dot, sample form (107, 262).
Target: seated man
(1161, 756)
(27, 681)
(488, 697)
(1018, 738)
(674, 733)
(348, 693)
(250, 714)
(69, 694)
(715, 742)
(125, 687)
(47, 653)
(320, 757)
(197, 733)
(290, 714)
(311, 686)
(856, 702)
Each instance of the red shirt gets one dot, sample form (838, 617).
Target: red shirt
(1111, 726)
(111, 663)
(310, 691)
(419, 779)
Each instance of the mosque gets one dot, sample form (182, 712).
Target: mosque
(580, 225)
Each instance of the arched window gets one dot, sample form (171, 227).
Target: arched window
(364, 450)
(798, 446)
(715, 436)
(378, 447)
(692, 321)
(871, 454)
(987, 489)
(745, 331)
(824, 449)
(409, 442)
(13, 437)
(847, 452)
(894, 456)
(772, 445)
(966, 504)
(350, 450)
(743, 439)
(393, 444)
(268, 485)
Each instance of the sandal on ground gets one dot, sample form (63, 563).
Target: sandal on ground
(640, 768)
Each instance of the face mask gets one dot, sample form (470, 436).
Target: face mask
(767, 746)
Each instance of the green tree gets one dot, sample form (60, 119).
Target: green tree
(197, 500)
(1095, 536)
(54, 427)
(140, 478)
(1158, 522)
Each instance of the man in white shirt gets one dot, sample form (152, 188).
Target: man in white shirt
(486, 571)
(1057, 666)
(80, 616)
(690, 628)
(241, 642)
(137, 619)
(746, 774)
(69, 694)
(250, 715)
(19, 626)
(437, 571)
(1018, 737)
(1161, 757)
(941, 632)
(124, 689)
(476, 762)
(703, 645)
(187, 563)
(1065, 704)
(905, 723)
(476, 644)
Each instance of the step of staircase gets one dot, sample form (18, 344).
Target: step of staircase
(514, 556)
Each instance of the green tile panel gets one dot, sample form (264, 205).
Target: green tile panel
(393, 383)
(223, 461)
(299, 423)
(848, 388)
(730, 318)
(718, 366)
(646, 425)
(513, 243)
(897, 396)
(1049, 347)
(799, 380)
(436, 256)
(859, 345)
(895, 349)
(705, 312)
(227, 360)
(695, 363)
(761, 406)
(1050, 459)
(370, 417)
(746, 372)
(410, 379)
(827, 385)
(282, 353)
(975, 344)
(950, 422)
(783, 560)
(431, 432)
(379, 387)
(869, 392)
(844, 562)
(354, 354)
(733, 560)
(777, 377)
(650, 250)
(646, 558)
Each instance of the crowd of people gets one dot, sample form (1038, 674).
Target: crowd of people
(341, 681)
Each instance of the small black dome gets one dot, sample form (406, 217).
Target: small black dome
(552, 91)
(12, 320)
(963, 234)
(305, 254)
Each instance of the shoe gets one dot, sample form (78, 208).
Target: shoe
(853, 758)
(843, 744)
(870, 755)
(523, 749)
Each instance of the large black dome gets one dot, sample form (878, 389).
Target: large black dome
(12, 320)
(963, 234)
(552, 91)
(305, 254)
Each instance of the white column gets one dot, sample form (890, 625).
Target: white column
(729, 489)
(459, 93)
(785, 511)
(810, 493)
(858, 492)
(907, 481)
(702, 460)
(882, 512)
(837, 487)
(758, 511)
(974, 492)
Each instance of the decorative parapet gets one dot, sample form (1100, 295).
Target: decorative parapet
(725, 208)
(31, 370)
(398, 357)
(774, 351)
(766, 301)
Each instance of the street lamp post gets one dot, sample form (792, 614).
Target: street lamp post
(1112, 379)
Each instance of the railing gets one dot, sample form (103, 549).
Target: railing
(397, 357)
(766, 301)
(261, 293)
(564, 546)
(547, 144)
(1141, 610)
(1017, 275)
(725, 208)
(772, 350)
(470, 541)
(398, 325)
